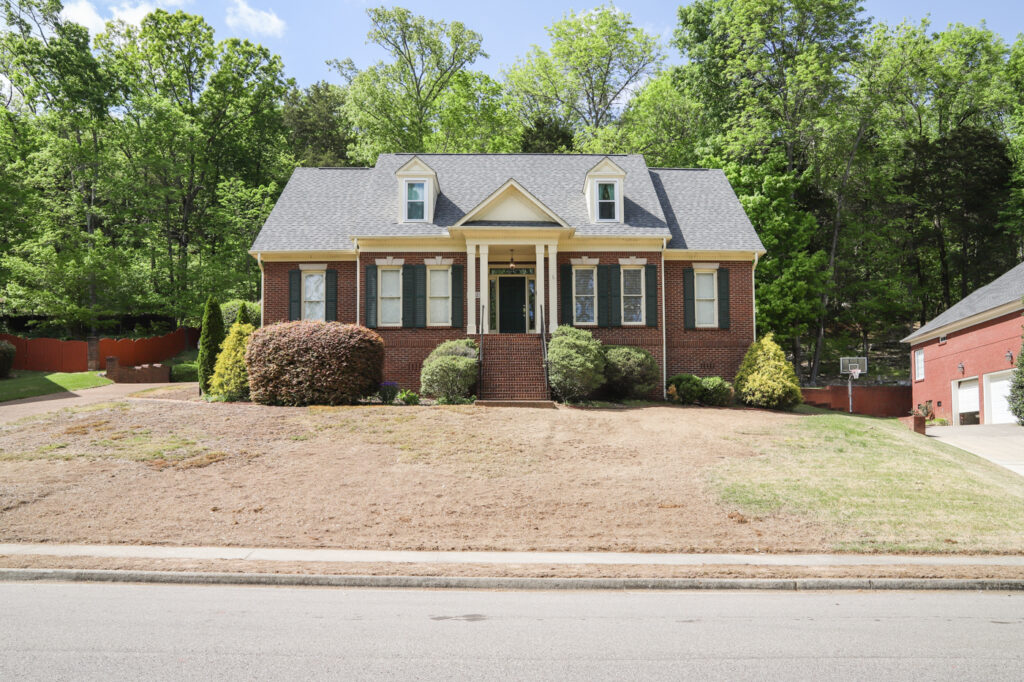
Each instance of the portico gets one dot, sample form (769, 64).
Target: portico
(510, 284)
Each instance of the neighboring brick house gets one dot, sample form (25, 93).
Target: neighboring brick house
(502, 247)
(962, 360)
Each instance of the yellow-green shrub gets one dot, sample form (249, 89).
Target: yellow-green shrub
(230, 379)
(766, 379)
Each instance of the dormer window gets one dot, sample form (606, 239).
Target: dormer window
(415, 200)
(607, 201)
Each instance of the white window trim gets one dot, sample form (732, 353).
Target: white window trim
(714, 288)
(919, 353)
(380, 296)
(426, 200)
(303, 299)
(593, 270)
(597, 200)
(643, 296)
(448, 322)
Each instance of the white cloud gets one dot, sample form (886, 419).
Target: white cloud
(243, 17)
(84, 12)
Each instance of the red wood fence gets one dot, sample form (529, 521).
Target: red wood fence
(54, 355)
(874, 401)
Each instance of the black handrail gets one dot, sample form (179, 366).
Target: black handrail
(544, 349)
(480, 349)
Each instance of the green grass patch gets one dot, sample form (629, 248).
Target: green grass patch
(25, 384)
(877, 486)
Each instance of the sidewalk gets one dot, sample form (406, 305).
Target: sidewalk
(349, 556)
(13, 410)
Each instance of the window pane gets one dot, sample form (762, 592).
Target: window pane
(389, 283)
(438, 282)
(415, 191)
(313, 310)
(584, 308)
(705, 312)
(439, 311)
(314, 287)
(632, 282)
(632, 309)
(584, 281)
(705, 285)
(415, 210)
(606, 191)
(606, 210)
(391, 311)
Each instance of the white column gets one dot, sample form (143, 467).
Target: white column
(470, 288)
(485, 289)
(553, 286)
(539, 277)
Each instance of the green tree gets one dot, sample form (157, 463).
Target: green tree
(547, 135)
(1016, 396)
(474, 115)
(211, 338)
(319, 131)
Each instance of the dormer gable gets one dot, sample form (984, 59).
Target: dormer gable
(603, 190)
(511, 203)
(417, 191)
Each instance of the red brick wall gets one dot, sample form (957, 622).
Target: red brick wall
(275, 290)
(982, 348)
(875, 401)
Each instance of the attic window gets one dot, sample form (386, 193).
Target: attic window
(415, 200)
(607, 201)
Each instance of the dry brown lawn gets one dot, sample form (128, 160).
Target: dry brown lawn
(457, 478)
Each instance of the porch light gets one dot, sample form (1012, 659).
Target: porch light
(960, 367)
(1009, 356)
(511, 260)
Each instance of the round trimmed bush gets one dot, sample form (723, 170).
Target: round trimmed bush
(7, 353)
(766, 378)
(313, 363)
(462, 348)
(575, 363)
(686, 389)
(716, 392)
(230, 379)
(629, 372)
(229, 311)
(448, 377)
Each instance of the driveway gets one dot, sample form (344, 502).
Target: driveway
(12, 410)
(1002, 444)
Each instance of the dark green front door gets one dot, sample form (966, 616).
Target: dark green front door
(512, 305)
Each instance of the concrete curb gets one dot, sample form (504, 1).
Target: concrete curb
(470, 583)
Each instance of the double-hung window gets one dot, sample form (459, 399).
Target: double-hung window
(607, 201)
(314, 290)
(439, 296)
(584, 294)
(390, 295)
(919, 364)
(632, 295)
(415, 200)
(706, 298)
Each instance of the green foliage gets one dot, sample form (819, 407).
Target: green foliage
(685, 389)
(630, 372)
(319, 131)
(230, 312)
(449, 377)
(387, 392)
(575, 363)
(313, 363)
(409, 397)
(185, 372)
(230, 379)
(715, 392)
(463, 348)
(211, 339)
(1017, 388)
(766, 379)
(7, 353)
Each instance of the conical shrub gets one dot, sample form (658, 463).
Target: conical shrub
(230, 380)
(210, 340)
(766, 378)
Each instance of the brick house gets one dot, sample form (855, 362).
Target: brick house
(962, 360)
(505, 247)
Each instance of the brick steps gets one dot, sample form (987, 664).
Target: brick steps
(513, 368)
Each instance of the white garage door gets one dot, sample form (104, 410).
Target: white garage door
(967, 396)
(999, 401)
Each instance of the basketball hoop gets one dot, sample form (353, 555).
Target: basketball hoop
(854, 373)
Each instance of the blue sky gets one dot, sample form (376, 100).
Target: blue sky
(306, 33)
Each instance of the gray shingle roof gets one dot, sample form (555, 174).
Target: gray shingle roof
(324, 208)
(1005, 289)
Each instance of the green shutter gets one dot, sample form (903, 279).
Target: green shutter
(651, 294)
(408, 295)
(458, 296)
(723, 298)
(604, 295)
(294, 295)
(421, 294)
(565, 275)
(615, 296)
(371, 296)
(331, 296)
(689, 313)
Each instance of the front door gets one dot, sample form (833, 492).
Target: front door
(512, 305)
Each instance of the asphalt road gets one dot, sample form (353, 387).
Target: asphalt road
(173, 632)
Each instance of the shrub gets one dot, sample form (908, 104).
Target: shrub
(449, 378)
(1017, 388)
(185, 371)
(462, 348)
(766, 379)
(387, 392)
(7, 353)
(629, 372)
(313, 363)
(229, 311)
(689, 389)
(211, 338)
(716, 392)
(230, 379)
(575, 363)
(409, 397)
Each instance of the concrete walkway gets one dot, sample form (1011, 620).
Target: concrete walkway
(349, 556)
(1001, 444)
(13, 410)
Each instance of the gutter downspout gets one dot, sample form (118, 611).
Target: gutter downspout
(753, 289)
(664, 342)
(263, 298)
(355, 244)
